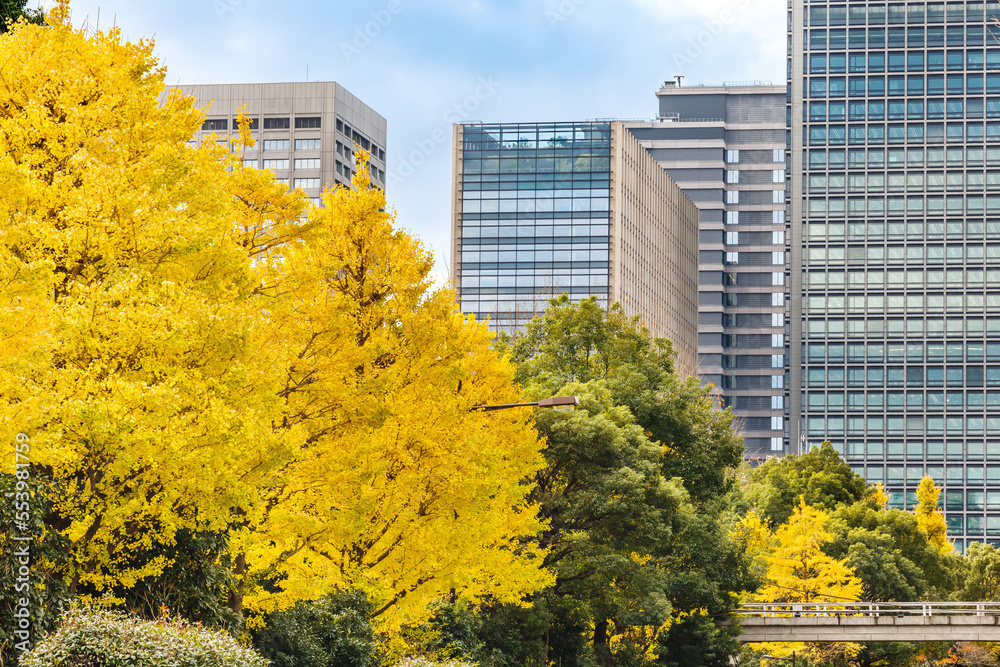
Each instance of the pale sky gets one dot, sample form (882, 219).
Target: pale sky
(426, 64)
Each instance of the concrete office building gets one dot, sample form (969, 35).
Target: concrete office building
(306, 132)
(725, 147)
(894, 208)
(542, 209)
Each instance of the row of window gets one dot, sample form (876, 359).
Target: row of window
(911, 376)
(897, 353)
(914, 303)
(879, 425)
(301, 123)
(898, 158)
(821, 39)
(514, 165)
(904, 182)
(900, 12)
(902, 61)
(899, 206)
(912, 85)
(899, 133)
(896, 401)
(300, 163)
(541, 205)
(586, 232)
(898, 231)
(902, 110)
(893, 327)
(536, 193)
(536, 281)
(915, 254)
(575, 255)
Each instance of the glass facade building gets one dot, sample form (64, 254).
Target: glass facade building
(543, 209)
(725, 147)
(893, 112)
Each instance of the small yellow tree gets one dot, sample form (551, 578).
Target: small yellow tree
(799, 571)
(929, 518)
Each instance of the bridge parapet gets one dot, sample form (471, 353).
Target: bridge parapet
(869, 622)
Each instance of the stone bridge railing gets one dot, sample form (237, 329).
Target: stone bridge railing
(869, 621)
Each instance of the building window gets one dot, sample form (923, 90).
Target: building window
(732, 177)
(777, 319)
(214, 124)
(307, 144)
(777, 444)
(276, 144)
(306, 182)
(777, 382)
(253, 123)
(275, 164)
(732, 217)
(777, 196)
(307, 163)
(779, 155)
(733, 197)
(250, 162)
(733, 157)
(779, 176)
(732, 238)
(275, 123)
(307, 123)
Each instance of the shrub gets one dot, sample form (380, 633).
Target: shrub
(427, 662)
(333, 631)
(97, 638)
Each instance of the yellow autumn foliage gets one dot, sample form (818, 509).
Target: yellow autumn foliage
(191, 346)
(929, 518)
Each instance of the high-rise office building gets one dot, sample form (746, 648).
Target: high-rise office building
(894, 207)
(307, 133)
(725, 147)
(543, 209)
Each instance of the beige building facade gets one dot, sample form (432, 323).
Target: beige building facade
(307, 133)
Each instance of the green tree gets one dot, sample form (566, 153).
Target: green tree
(820, 477)
(12, 10)
(581, 342)
(980, 573)
(333, 631)
(634, 483)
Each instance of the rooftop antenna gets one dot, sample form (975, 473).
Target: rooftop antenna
(678, 78)
(307, 73)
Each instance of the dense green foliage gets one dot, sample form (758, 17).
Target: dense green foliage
(42, 588)
(99, 638)
(820, 476)
(334, 631)
(633, 490)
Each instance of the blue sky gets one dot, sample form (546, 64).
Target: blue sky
(424, 64)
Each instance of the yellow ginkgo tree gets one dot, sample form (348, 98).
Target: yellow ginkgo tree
(929, 517)
(190, 346)
(799, 572)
